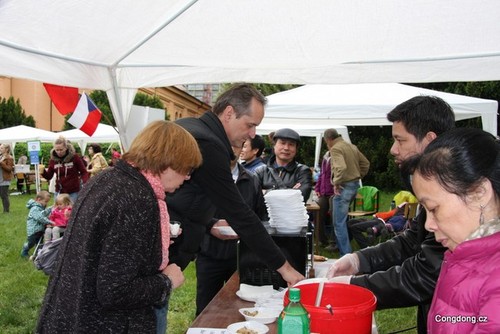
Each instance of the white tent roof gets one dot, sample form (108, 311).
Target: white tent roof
(103, 134)
(121, 45)
(24, 133)
(318, 107)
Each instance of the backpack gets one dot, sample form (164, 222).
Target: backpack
(46, 258)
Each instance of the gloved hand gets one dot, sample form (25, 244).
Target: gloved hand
(340, 279)
(346, 265)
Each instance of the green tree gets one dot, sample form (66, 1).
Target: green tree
(145, 100)
(100, 99)
(266, 89)
(12, 114)
(480, 89)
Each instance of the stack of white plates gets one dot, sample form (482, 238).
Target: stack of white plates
(286, 209)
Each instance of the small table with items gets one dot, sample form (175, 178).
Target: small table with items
(223, 311)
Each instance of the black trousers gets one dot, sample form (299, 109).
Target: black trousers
(357, 227)
(324, 218)
(211, 275)
(4, 194)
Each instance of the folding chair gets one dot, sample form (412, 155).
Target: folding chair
(365, 203)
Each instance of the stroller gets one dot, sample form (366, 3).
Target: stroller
(45, 255)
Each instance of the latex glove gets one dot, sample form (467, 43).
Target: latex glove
(346, 265)
(340, 279)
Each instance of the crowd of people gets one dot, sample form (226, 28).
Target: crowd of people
(118, 265)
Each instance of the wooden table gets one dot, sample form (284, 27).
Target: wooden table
(223, 309)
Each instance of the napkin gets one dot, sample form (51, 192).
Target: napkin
(255, 292)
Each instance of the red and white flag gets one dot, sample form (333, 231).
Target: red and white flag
(64, 98)
(86, 116)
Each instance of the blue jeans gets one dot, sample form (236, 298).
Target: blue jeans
(340, 207)
(31, 242)
(161, 318)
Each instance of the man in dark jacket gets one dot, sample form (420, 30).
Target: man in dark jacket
(217, 260)
(403, 271)
(233, 120)
(282, 171)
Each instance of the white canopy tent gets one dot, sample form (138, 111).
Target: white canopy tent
(311, 109)
(121, 45)
(318, 107)
(103, 134)
(24, 133)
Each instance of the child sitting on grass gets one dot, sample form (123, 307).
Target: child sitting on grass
(36, 221)
(59, 217)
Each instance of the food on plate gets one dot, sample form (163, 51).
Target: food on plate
(251, 313)
(244, 330)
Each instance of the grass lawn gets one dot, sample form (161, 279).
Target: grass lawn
(22, 287)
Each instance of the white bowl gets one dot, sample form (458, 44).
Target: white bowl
(253, 325)
(260, 314)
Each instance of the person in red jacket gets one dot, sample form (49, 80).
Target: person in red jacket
(68, 167)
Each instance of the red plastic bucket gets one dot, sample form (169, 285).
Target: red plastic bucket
(352, 308)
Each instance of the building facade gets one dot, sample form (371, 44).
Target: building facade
(35, 101)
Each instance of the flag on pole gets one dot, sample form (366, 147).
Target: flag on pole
(64, 98)
(86, 115)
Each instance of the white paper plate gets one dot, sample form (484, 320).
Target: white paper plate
(253, 325)
(254, 297)
(260, 314)
(226, 230)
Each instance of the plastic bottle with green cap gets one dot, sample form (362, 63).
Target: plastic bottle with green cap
(294, 319)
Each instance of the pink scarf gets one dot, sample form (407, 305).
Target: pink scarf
(155, 183)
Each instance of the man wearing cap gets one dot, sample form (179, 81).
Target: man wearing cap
(282, 171)
(349, 166)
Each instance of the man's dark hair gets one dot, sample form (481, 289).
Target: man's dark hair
(258, 142)
(422, 114)
(239, 96)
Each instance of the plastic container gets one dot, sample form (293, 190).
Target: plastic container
(352, 308)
